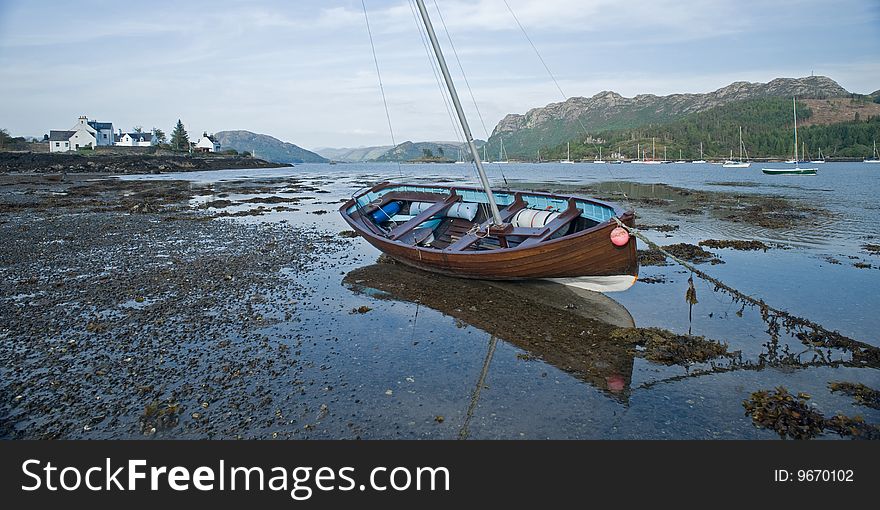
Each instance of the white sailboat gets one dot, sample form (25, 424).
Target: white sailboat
(701, 160)
(820, 159)
(600, 157)
(460, 160)
(680, 159)
(501, 158)
(653, 160)
(739, 163)
(568, 158)
(797, 170)
(875, 158)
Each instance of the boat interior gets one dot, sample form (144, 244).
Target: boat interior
(459, 219)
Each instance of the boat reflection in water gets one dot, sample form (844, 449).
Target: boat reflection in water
(566, 327)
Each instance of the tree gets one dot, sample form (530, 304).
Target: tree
(160, 135)
(138, 129)
(179, 138)
(427, 153)
(440, 150)
(4, 138)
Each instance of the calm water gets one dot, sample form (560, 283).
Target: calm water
(415, 357)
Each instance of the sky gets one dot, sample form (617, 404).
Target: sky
(304, 72)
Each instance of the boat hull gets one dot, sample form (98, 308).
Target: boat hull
(790, 171)
(583, 254)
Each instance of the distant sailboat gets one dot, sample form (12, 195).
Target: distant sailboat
(875, 158)
(501, 158)
(701, 160)
(653, 160)
(797, 170)
(680, 160)
(739, 163)
(600, 157)
(820, 159)
(460, 159)
(568, 158)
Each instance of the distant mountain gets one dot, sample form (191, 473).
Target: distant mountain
(353, 155)
(266, 147)
(556, 123)
(409, 151)
(406, 151)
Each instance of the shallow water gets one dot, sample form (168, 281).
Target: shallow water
(412, 361)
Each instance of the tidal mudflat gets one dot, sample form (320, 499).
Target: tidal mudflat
(233, 304)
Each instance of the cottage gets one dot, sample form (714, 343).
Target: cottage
(59, 141)
(134, 139)
(83, 134)
(207, 143)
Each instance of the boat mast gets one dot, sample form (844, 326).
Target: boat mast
(741, 143)
(496, 215)
(794, 110)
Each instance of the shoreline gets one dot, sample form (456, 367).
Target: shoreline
(115, 163)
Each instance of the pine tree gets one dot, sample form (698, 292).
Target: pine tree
(179, 138)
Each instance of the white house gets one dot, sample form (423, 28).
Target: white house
(59, 141)
(83, 134)
(135, 139)
(207, 143)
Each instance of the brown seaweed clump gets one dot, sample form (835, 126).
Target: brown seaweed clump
(790, 416)
(652, 258)
(160, 416)
(692, 253)
(668, 348)
(873, 249)
(348, 234)
(863, 395)
(854, 427)
(736, 245)
(787, 414)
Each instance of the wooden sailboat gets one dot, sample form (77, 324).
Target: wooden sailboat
(738, 163)
(797, 170)
(462, 232)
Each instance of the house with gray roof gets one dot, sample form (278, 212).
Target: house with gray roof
(135, 139)
(83, 134)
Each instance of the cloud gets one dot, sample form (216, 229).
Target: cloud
(303, 71)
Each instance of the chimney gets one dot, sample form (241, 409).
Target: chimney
(83, 119)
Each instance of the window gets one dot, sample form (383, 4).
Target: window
(105, 136)
(57, 144)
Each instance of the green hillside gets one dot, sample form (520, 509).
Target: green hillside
(767, 133)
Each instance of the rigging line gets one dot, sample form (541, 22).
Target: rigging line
(467, 82)
(381, 86)
(449, 111)
(437, 79)
(443, 93)
(475, 397)
(558, 87)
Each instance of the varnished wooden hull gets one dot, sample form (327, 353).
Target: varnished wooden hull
(586, 253)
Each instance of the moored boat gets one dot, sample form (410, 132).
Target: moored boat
(449, 230)
(797, 170)
(462, 231)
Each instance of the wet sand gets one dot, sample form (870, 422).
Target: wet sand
(236, 308)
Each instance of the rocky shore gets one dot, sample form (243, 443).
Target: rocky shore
(32, 162)
(119, 320)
